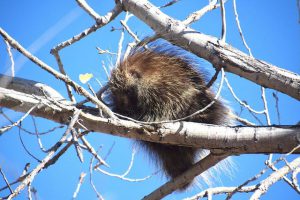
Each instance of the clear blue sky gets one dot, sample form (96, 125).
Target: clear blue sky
(271, 29)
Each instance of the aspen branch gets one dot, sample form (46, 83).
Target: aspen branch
(199, 167)
(211, 49)
(235, 139)
(274, 177)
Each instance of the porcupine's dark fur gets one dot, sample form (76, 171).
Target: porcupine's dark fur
(163, 84)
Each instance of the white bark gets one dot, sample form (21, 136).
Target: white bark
(236, 140)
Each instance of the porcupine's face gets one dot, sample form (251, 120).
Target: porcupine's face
(151, 87)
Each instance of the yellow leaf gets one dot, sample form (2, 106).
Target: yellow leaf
(84, 78)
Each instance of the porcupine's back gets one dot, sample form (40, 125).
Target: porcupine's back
(161, 84)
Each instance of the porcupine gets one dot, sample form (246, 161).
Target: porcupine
(162, 83)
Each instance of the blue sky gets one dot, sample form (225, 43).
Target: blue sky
(271, 29)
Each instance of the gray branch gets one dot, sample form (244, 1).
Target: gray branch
(21, 95)
(215, 51)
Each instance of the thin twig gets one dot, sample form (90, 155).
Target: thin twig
(81, 179)
(240, 28)
(243, 121)
(135, 37)
(29, 191)
(12, 66)
(77, 145)
(123, 177)
(93, 151)
(221, 190)
(169, 4)
(273, 178)
(105, 70)
(295, 180)
(120, 44)
(66, 133)
(6, 128)
(62, 70)
(185, 177)
(98, 94)
(275, 95)
(53, 160)
(286, 179)
(83, 4)
(195, 16)
(38, 135)
(239, 101)
(213, 79)
(224, 27)
(109, 150)
(100, 23)
(25, 148)
(20, 178)
(101, 51)
(47, 161)
(55, 73)
(6, 181)
(261, 172)
(266, 111)
(91, 177)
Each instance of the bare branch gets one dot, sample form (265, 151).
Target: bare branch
(195, 16)
(83, 4)
(123, 176)
(185, 177)
(224, 27)
(120, 44)
(221, 190)
(243, 121)
(169, 4)
(111, 15)
(26, 149)
(101, 51)
(81, 179)
(236, 139)
(286, 179)
(29, 177)
(266, 110)
(62, 70)
(6, 181)
(12, 67)
(58, 75)
(6, 128)
(240, 101)
(295, 180)
(91, 178)
(275, 95)
(130, 31)
(93, 152)
(240, 28)
(274, 177)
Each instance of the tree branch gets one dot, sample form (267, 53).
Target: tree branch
(235, 139)
(273, 178)
(211, 49)
(199, 167)
(55, 73)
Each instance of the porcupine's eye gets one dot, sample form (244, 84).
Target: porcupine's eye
(135, 74)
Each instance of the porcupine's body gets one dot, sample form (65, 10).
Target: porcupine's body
(158, 85)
